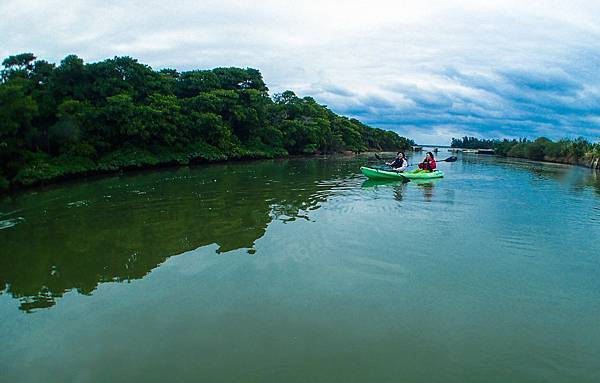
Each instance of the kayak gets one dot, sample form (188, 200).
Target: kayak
(381, 174)
(369, 183)
(421, 175)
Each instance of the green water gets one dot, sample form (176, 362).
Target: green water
(302, 271)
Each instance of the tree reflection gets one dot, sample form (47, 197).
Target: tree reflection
(594, 180)
(397, 186)
(427, 187)
(129, 225)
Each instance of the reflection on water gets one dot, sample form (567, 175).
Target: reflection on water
(78, 235)
(383, 185)
(7, 223)
(119, 229)
(369, 183)
(427, 187)
(303, 270)
(593, 180)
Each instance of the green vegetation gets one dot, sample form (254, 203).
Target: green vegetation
(78, 118)
(596, 150)
(473, 143)
(566, 151)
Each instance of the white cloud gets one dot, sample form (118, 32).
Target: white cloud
(431, 67)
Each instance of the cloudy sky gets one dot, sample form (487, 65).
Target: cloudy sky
(430, 70)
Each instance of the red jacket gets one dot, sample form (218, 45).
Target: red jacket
(432, 164)
(428, 165)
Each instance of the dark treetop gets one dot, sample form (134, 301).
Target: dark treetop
(76, 118)
(577, 151)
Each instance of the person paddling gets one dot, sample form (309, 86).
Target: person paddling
(428, 163)
(400, 163)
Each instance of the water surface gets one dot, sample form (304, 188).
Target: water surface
(301, 270)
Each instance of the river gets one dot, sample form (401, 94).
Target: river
(301, 270)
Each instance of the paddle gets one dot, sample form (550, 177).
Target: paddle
(449, 159)
(380, 159)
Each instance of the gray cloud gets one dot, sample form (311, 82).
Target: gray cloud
(427, 68)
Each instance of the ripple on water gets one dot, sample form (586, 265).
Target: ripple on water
(523, 240)
(594, 219)
(518, 242)
(370, 268)
(10, 213)
(78, 203)
(479, 177)
(5, 224)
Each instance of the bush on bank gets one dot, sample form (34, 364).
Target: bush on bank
(577, 151)
(77, 118)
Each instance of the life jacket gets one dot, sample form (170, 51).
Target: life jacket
(399, 162)
(428, 165)
(432, 164)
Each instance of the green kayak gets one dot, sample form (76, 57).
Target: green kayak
(381, 174)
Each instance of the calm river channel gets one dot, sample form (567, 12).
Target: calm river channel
(301, 270)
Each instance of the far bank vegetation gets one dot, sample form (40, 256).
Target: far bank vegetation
(570, 151)
(76, 118)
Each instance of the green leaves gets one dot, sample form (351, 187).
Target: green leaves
(17, 110)
(19, 65)
(59, 121)
(565, 150)
(23, 61)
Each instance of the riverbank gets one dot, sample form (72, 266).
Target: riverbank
(47, 174)
(594, 162)
(77, 119)
(588, 161)
(577, 151)
(45, 170)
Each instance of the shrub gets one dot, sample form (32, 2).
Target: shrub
(127, 158)
(43, 169)
(310, 149)
(37, 172)
(579, 147)
(4, 184)
(81, 149)
(558, 149)
(504, 147)
(535, 151)
(518, 150)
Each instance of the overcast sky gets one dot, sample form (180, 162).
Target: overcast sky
(430, 70)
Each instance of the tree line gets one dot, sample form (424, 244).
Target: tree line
(573, 151)
(78, 118)
(478, 143)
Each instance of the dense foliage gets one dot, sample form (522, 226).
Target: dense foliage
(569, 151)
(473, 143)
(78, 118)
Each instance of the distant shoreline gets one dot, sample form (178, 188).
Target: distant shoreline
(577, 151)
(75, 119)
(100, 173)
(593, 163)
